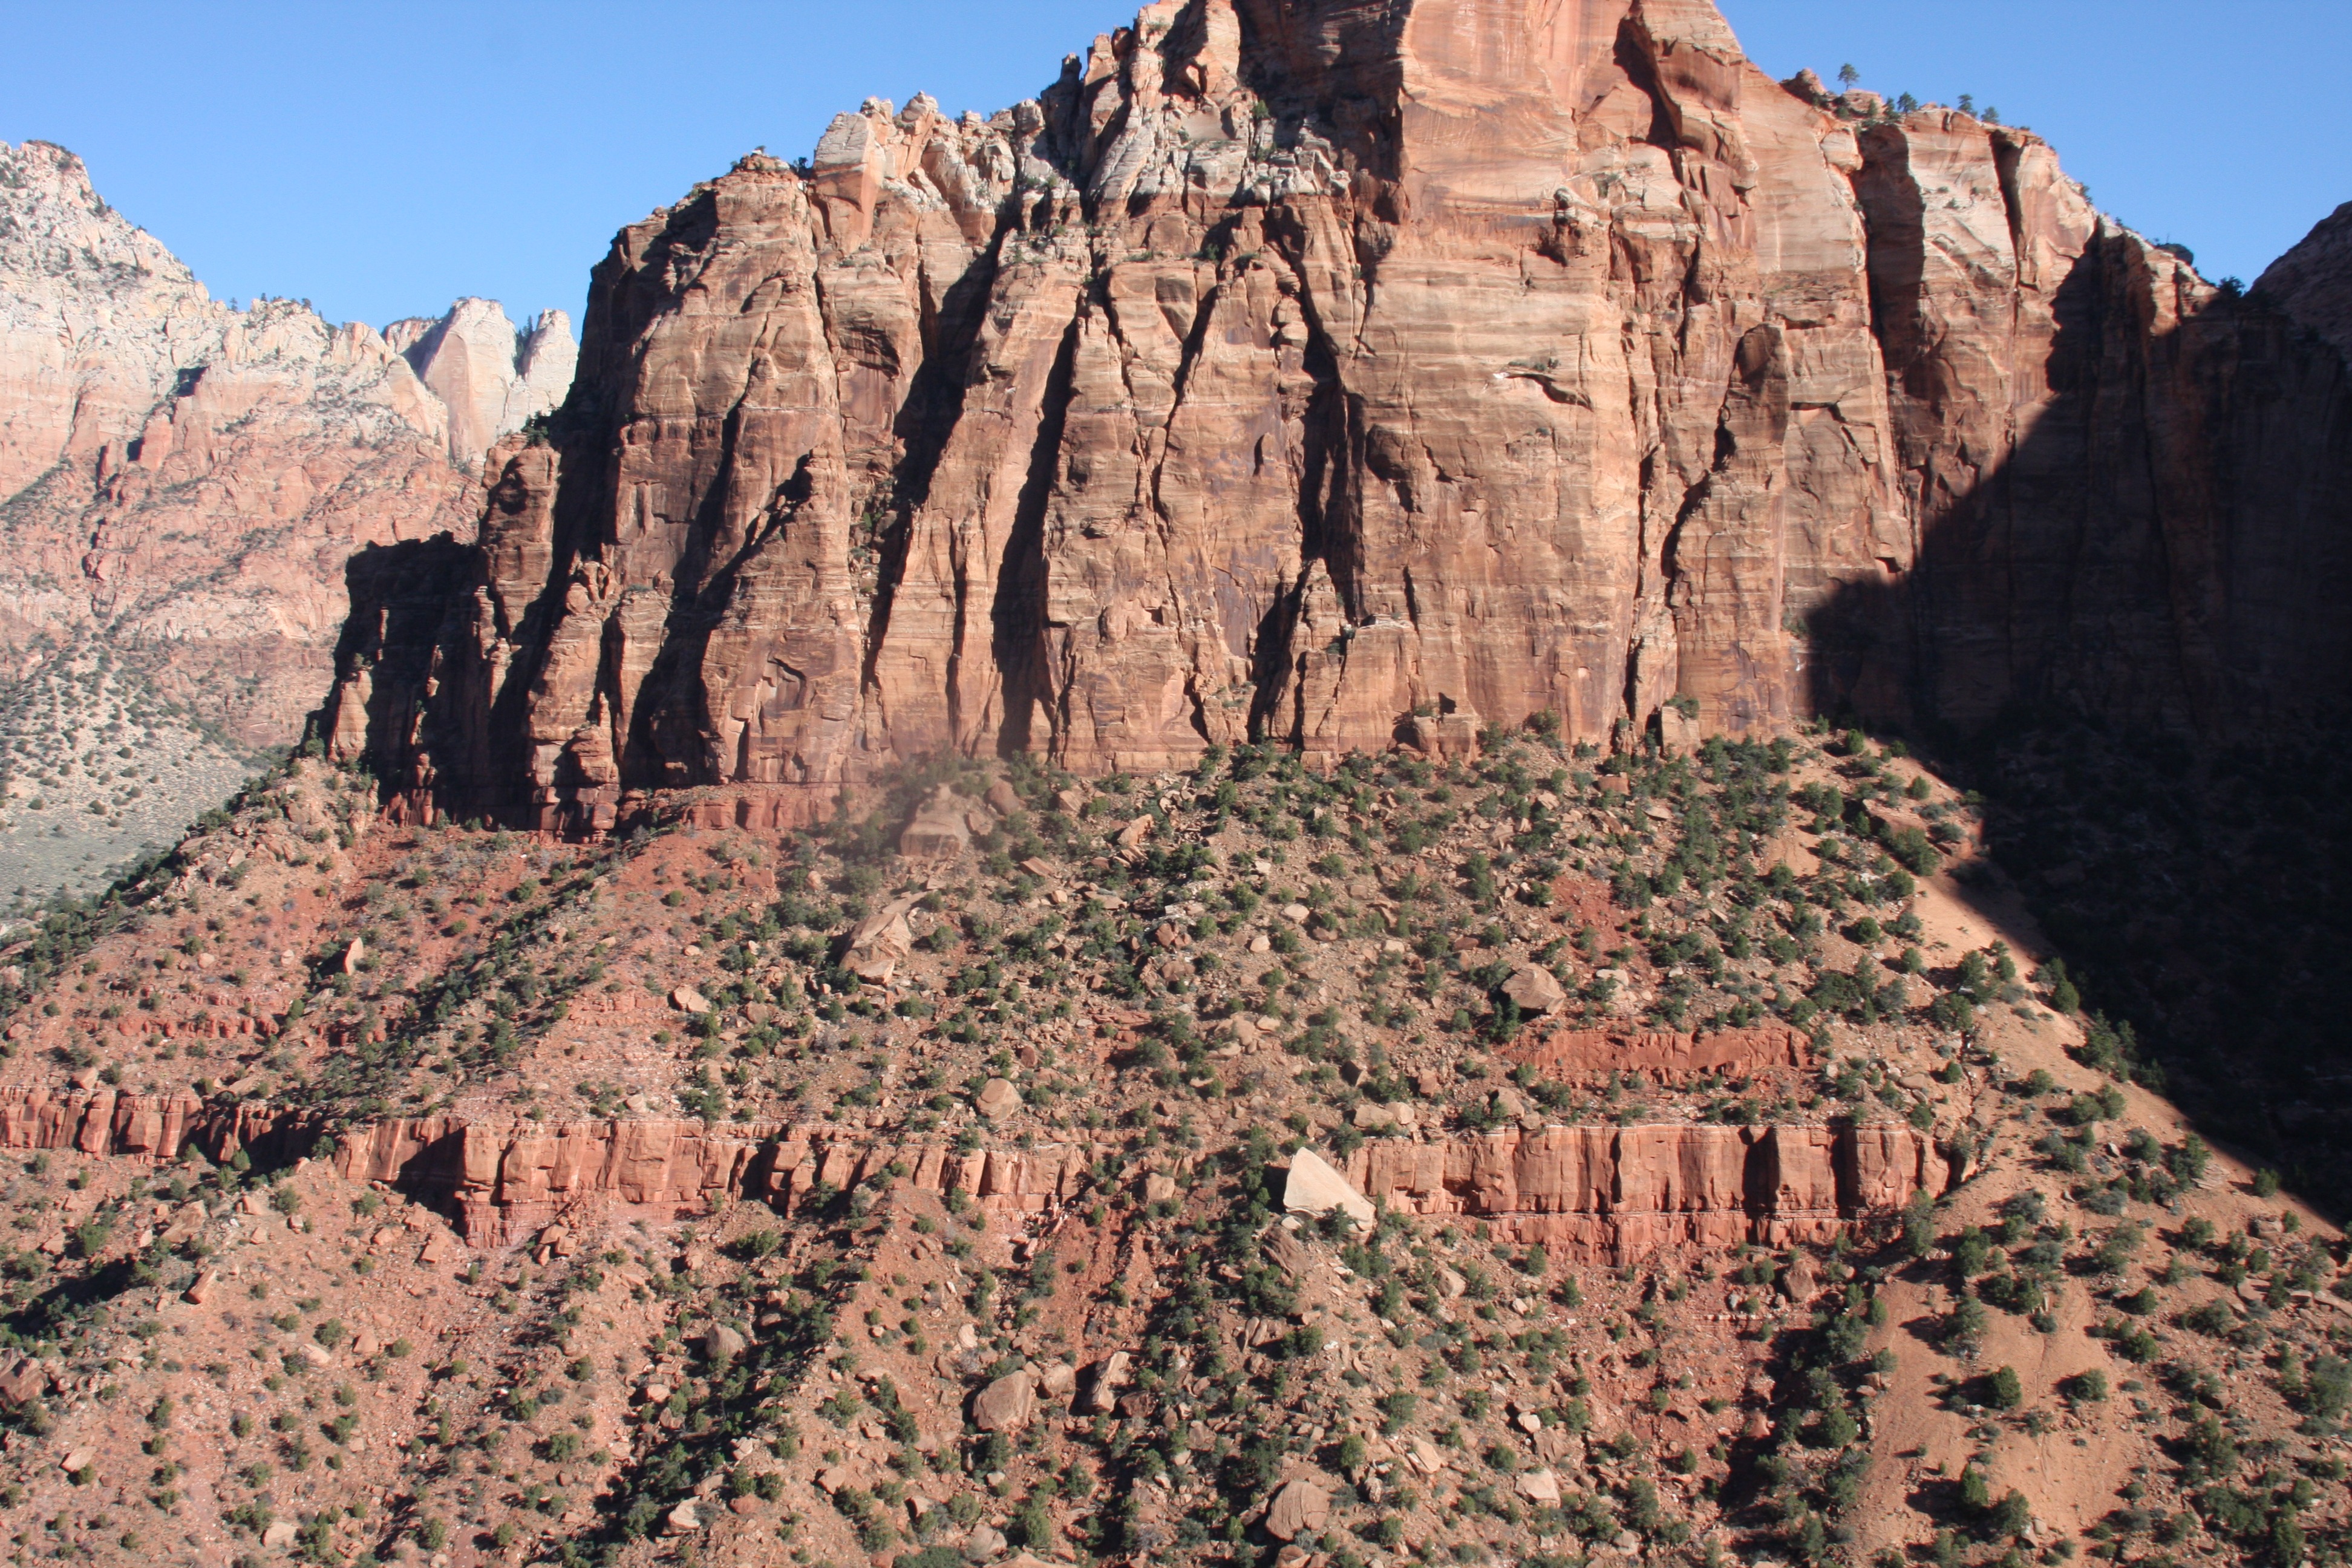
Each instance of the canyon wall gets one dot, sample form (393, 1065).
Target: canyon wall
(1595, 1194)
(1333, 373)
(182, 483)
(180, 487)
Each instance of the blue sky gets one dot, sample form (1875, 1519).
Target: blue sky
(381, 159)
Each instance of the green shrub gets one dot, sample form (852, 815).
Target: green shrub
(2086, 1387)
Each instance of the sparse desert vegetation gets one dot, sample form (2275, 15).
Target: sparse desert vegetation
(1041, 1281)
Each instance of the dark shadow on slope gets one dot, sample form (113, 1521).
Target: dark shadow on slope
(2132, 639)
(400, 596)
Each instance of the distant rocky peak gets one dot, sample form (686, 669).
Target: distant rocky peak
(548, 356)
(491, 375)
(2312, 282)
(59, 226)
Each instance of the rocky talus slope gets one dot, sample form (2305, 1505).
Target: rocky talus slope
(181, 485)
(1545, 1158)
(97, 768)
(1326, 374)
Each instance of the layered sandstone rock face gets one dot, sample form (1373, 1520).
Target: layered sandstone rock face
(1615, 1193)
(1601, 1194)
(150, 1126)
(1336, 375)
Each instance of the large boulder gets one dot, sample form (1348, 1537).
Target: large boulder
(878, 941)
(1315, 1188)
(1007, 1405)
(1535, 990)
(24, 1383)
(1300, 1507)
(939, 831)
(1102, 1389)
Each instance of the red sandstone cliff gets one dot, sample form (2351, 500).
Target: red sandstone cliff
(1301, 372)
(1591, 1192)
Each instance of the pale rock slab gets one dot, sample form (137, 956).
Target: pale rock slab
(1313, 1188)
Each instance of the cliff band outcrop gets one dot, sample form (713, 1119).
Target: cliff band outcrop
(1598, 1193)
(1616, 1193)
(149, 1126)
(1334, 374)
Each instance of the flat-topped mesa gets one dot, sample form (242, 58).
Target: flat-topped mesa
(1337, 374)
(1594, 1193)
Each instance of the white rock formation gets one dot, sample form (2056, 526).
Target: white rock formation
(492, 377)
(1314, 1187)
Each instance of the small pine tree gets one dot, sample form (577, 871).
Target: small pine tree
(2286, 1536)
(1847, 77)
(1919, 1223)
(1966, 1326)
(1032, 1525)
